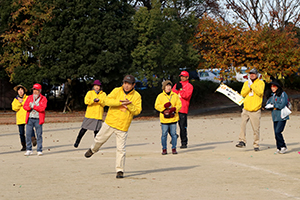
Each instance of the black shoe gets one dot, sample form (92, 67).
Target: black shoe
(23, 146)
(183, 147)
(119, 175)
(33, 140)
(256, 149)
(89, 153)
(76, 145)
(240, 144)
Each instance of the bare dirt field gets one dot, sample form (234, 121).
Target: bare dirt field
(210, 168)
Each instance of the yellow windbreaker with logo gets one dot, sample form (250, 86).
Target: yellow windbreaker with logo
(163, 98)
(18, 107)
(94, 110)
(118, 116)
(253, 103)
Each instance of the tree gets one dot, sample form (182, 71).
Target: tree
(24, 23)
(163, 43)
(91, 38)
(273, 52)
(258, 12)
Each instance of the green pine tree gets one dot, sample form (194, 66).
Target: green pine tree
(163, 43)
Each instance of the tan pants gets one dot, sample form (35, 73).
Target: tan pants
(104, 134)
(255, 123)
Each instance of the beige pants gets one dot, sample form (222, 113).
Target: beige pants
(104, 134)
(255, 123)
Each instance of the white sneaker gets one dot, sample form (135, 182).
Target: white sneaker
(277, 151)
(28, 153)
(283, 150)
(39, 153)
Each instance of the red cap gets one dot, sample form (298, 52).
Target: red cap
(37, 86)
(184, 73)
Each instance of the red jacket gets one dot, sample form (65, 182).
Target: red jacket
(185, 94)
(41, 108)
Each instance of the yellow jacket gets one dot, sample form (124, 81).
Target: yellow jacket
(253, 103)
(18, 107)
(163, 98)
(94, 110)
(118, 116)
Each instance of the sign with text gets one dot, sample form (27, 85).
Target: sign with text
(231, 94)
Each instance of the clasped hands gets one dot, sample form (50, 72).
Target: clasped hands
(125, 103)
(20, 99)
(31, 105)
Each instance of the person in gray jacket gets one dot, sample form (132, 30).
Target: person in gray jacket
(277, 101)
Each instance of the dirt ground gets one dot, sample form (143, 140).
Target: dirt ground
(210, 168)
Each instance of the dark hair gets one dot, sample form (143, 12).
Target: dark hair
(22, 89)
(279, 91)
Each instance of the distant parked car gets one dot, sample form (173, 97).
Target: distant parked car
(209, 75)
(193, 75)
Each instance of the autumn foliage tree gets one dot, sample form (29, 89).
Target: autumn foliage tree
(274, 52)
(19, 40)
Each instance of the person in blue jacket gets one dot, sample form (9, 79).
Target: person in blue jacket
(277, 101)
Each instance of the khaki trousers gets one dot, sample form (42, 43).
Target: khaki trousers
(254, 118)
(104, 134)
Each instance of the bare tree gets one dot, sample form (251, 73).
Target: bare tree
(282, 12)
(278, 13)
(185, 7)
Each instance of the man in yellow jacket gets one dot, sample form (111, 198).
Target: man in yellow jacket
(124, 103)
(17, 106)
(94, 99)
(168, 104)
(252, 91)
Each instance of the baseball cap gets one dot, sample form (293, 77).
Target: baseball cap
(37, 86)
(184, 73)
(253, 71)
(129, 79)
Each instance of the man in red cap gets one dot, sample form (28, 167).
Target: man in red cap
(35, 106)
(184, 90)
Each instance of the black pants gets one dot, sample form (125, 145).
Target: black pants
(278, 129)
(81, 134)
(22, 133)
(183, 128)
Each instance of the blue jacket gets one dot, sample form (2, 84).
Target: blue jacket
(279, 103)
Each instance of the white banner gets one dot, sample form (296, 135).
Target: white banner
(231, 94)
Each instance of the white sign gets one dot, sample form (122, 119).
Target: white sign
(231, 94)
